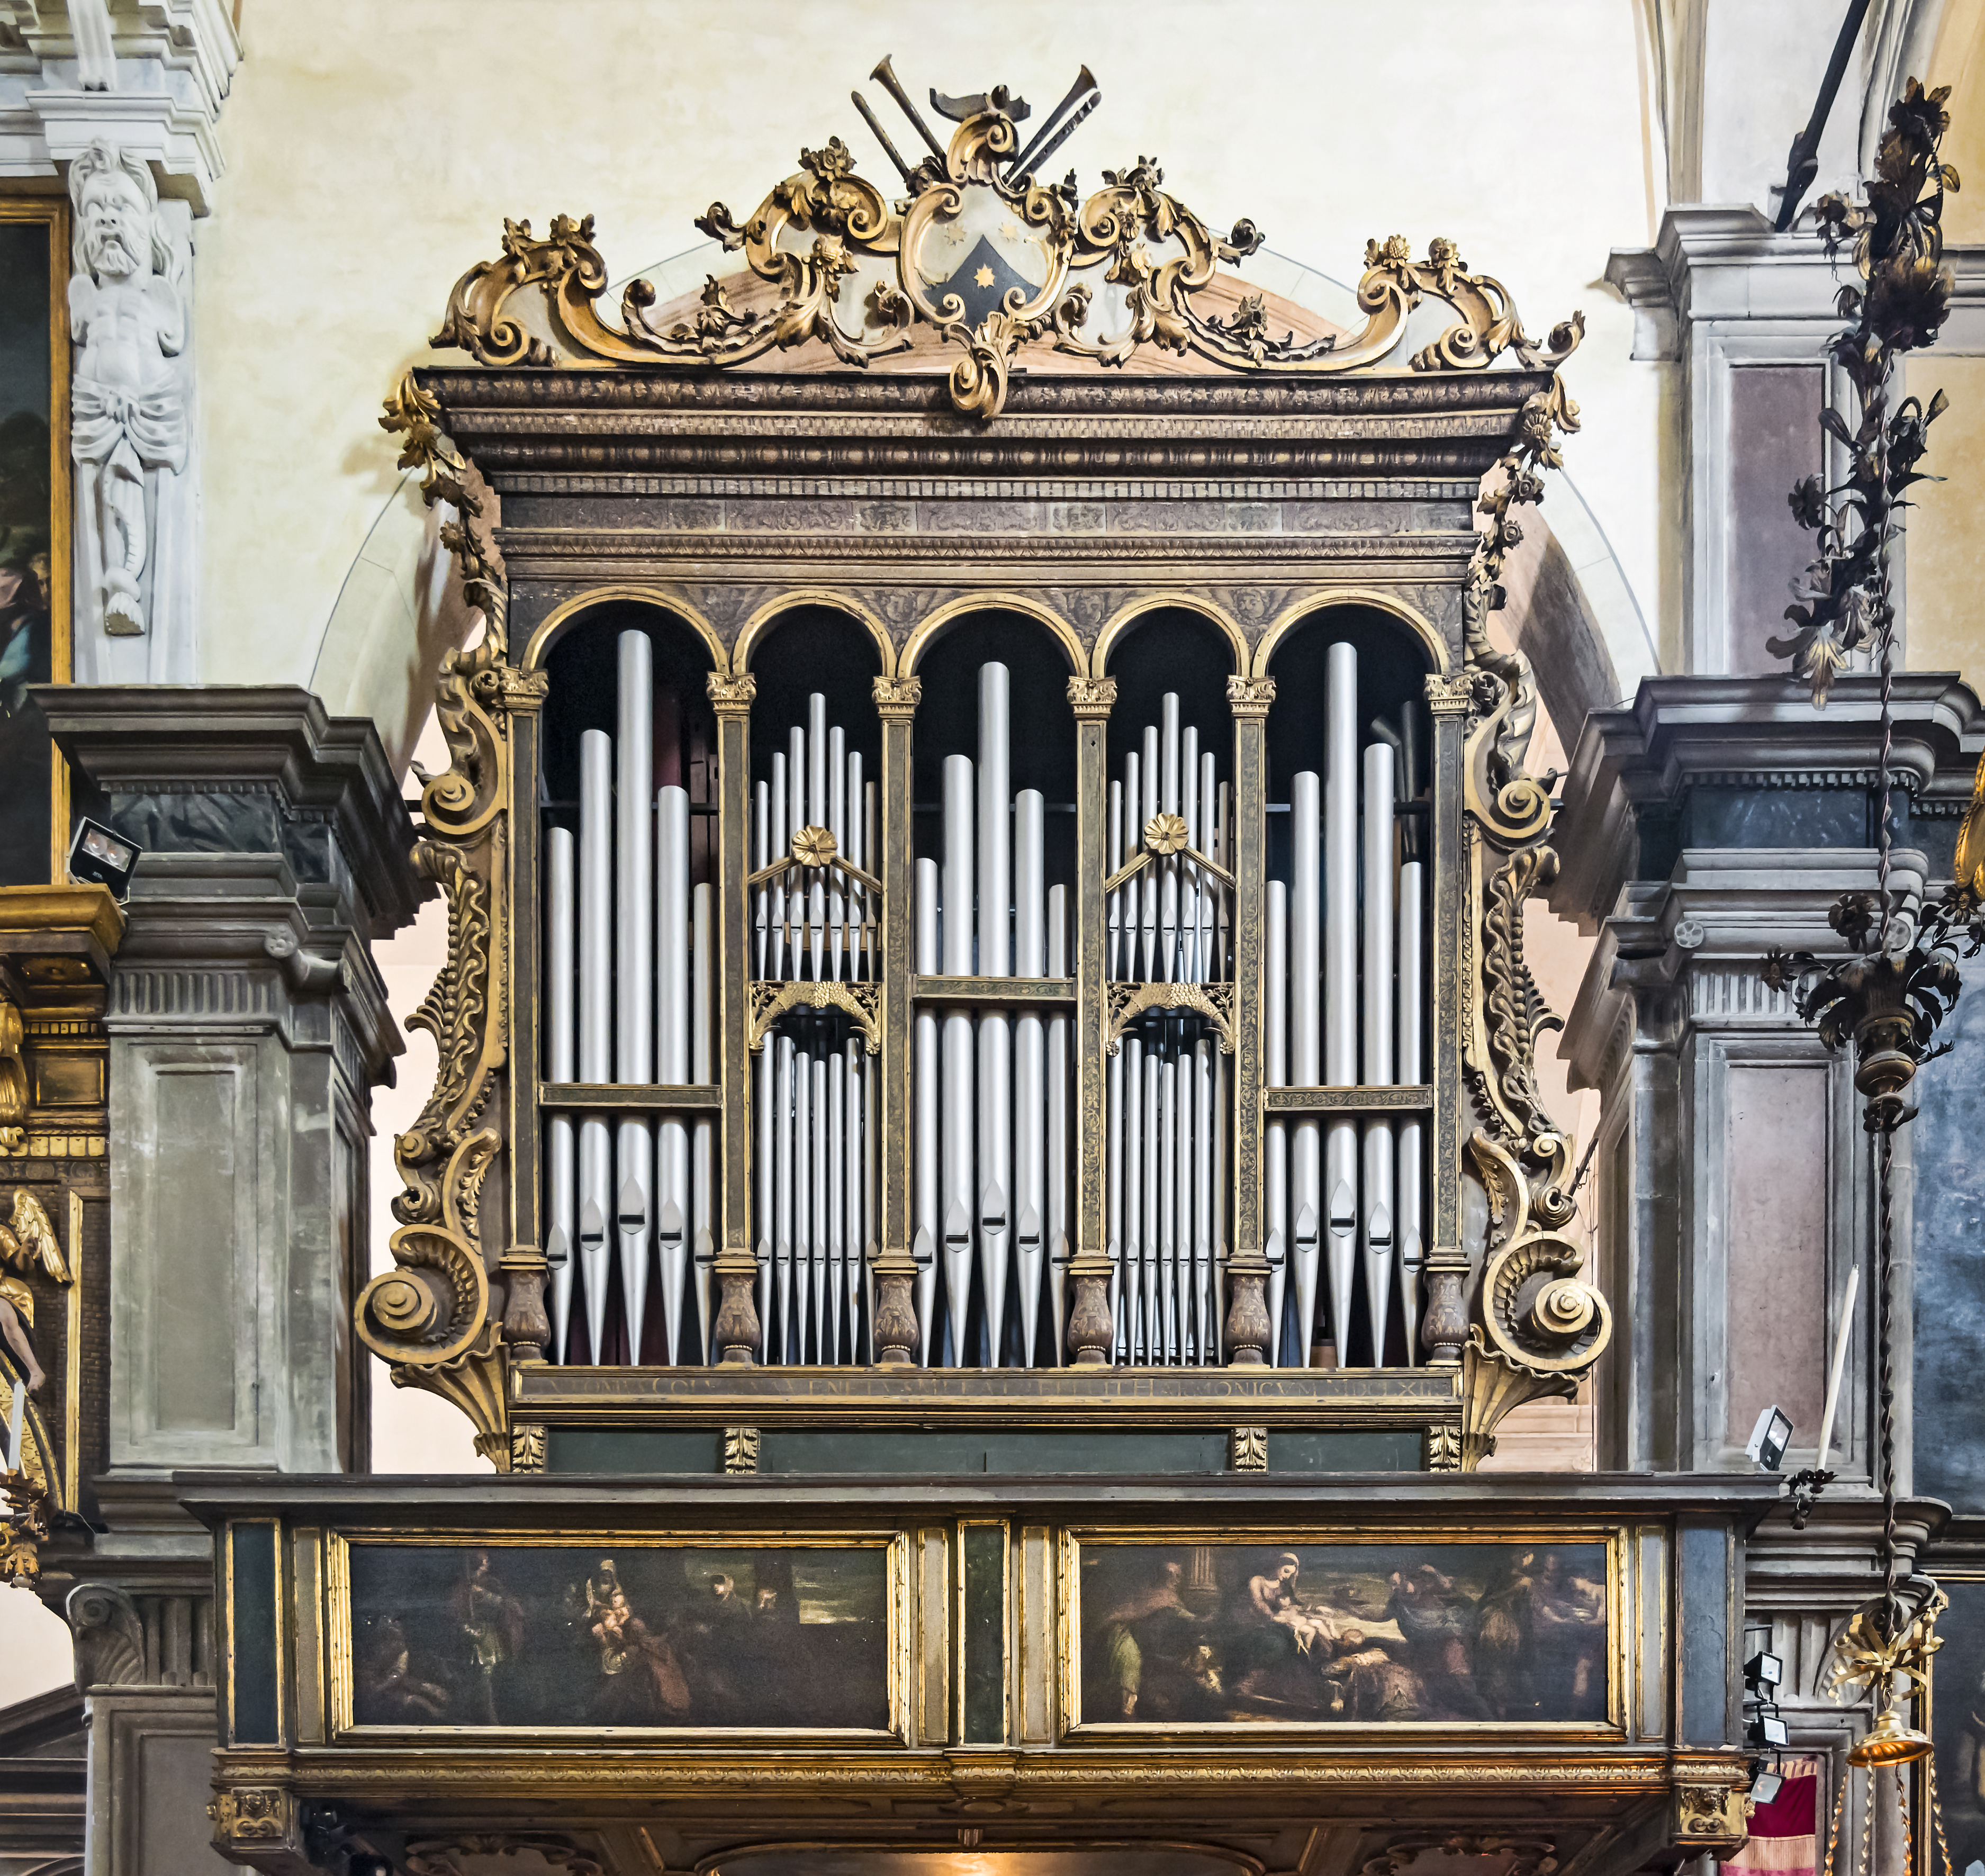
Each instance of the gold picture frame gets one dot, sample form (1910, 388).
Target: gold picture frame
(1077, 1542)
(340, 1614)
(50, 212)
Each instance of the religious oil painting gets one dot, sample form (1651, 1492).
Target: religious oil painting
(1365, 1635)
(33, 484)
(760, 1638)
(1957, 1721)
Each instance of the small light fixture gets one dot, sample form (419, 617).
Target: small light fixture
(99, 857)
(1766, 1783)
(1769, 1439)
(1767, 1728)
(1764, 1670)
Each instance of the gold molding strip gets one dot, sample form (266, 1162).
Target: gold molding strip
(993, 990)
(632, 1096)
(1347, 1100)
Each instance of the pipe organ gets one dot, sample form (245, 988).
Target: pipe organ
(952, 909)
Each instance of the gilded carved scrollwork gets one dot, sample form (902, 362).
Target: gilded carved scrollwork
(430, 1317)
(1539, 1324)
(1214, 1001)
(843, 265)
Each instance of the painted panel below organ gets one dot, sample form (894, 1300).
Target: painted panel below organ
(1278, 1631)
(772, 1637)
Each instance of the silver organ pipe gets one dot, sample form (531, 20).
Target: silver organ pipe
(596, 1020)
(958, 1192)
(1030, 959)
(995, 1114)
(1166, 1120)
(1376, 1199)
(633, 985)
(561, 1061)
(1340, 969)
(1057, 1173)
(930, 1227)
(703, 1069)
(1275, 1073)
(1305, 1201)
(672, 1054)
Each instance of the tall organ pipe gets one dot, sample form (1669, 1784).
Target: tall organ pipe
(1275, 1154)
(1030, 1118)
(1132, 1049)
(1306, 1050)
(1340, 964)
(561, 1210)
(929, 1226)
(1059, 1248)
(959, 1195)
(633, 939)
(1376, 1202)
(1117, 967)
(1412, 1071)
(596, 1019)
(995, 1114)
(671, 1064)
(703, 1070)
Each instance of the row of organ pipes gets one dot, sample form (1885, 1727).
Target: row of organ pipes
(631, 999)
(1346, 1005)
(815, 1092)
(1165, 1096)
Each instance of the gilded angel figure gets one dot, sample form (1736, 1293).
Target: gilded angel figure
(28, 1241)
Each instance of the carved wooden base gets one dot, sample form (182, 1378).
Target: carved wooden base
(736, 1334)
(526, 1327)
(895, 1328)
(1090, 1331)
(1249, 1331)
(1444, 1327)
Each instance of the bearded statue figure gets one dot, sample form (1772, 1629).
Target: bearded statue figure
(128, 408)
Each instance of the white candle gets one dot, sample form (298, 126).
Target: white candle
(1839, 1362)
(20, 1393)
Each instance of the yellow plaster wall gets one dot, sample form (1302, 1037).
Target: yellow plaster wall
(374, 150)
(1944, 547)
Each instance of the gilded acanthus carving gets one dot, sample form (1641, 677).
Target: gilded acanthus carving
(985, 255)
(430, 1317)
(1539, 1324)
(13, 1080)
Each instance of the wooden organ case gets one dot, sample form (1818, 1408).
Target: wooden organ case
(986, 1108)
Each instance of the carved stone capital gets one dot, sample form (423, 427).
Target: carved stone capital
(897, 698)
(1250, 696)
(731, 696)
(1092, 699)
(1449, 697)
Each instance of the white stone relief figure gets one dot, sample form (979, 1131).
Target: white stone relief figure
(128, 425)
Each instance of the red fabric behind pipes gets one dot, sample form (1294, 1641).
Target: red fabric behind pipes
(1784, 1833)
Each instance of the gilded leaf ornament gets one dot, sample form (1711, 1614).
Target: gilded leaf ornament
(858, 272)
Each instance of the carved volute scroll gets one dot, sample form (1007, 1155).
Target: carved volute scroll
(1538, 1324)
(843, 266)
(433, 1317)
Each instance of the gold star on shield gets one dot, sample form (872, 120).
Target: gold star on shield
(984, 277)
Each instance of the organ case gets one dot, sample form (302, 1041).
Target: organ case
(967, 900)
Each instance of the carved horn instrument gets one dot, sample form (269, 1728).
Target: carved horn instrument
(885, 76)
(1085, 82)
